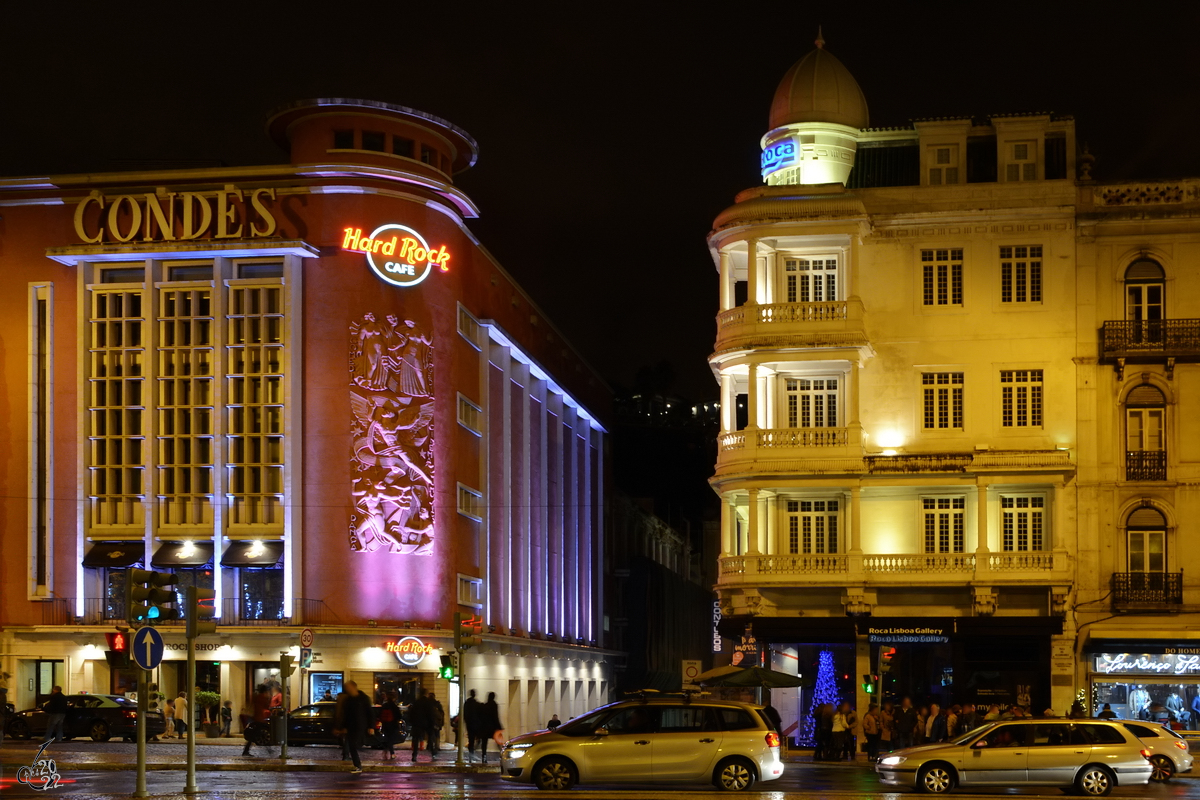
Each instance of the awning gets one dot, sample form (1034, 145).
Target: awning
(183, 554)
(252, 554)
(1177, 645)
(115, 554)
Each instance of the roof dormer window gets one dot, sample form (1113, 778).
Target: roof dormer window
(943, 161)
(1022, 162)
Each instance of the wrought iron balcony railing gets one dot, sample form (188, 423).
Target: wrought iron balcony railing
(1147, 590)
(1145, 465)
(1165, 338)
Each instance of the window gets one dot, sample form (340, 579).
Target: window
(427, 155)
(945, 531)
(943, 167)
(343, 140)
(943, 396)
(810, 280)
(470, 503)
(812, 526)
(942, 277)
(470, 591)
(1146, 532)
(122, 275)
(469, 328)
(115, 581)
(1022, 523)
(402, 146)
(811, 402)
(1021, 398)
(260, 269)
(1145, 453)
(190, 272)
(41, 434)
(1021, 274)
(1022, 162)
(201, 578)
(262, 593)
(470, 416)
(373, 140)
(1145, 306)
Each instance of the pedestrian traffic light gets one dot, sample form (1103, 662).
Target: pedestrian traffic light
(446, 671)
(200, 611)
(117, 654)
(287, 665)
(886, 654)
(146, 600)
(868, 684)
(467, 630)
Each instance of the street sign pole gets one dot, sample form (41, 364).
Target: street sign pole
(190, 786)
(462, 691)
(142, 682)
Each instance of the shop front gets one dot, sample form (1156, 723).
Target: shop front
(1145, 680)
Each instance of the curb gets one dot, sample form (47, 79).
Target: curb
(271, 766)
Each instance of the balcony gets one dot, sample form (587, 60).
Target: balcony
(774, 450)
(1150, 341)
(896, 569)
(836, 323)
(101, 611)
(1145, 465)
(1147, 591)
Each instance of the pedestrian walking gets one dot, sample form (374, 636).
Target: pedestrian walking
(182, 723)
(489, 724)
(906, 724)
(226, 717)
(389, 725)
(420, 724)
(471, 709)
(871, 731)
(437, 719)
(262, 715)
(554, 722)
(169, 716)
(351, 721)
(887, 727)
(849, 749)
(56, 714)
(837, 739)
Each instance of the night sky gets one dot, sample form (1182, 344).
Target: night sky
(609, 139)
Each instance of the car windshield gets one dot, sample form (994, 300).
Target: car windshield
(966, 737)
(123, 701)
(585, 725)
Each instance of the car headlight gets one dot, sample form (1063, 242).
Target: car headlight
(892, 761)
(518, 745)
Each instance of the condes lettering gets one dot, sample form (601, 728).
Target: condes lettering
(171, 216)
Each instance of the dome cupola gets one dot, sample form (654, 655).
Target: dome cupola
(816, 115)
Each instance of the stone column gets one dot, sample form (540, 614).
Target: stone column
(728, 403)
(728, 527)
(752, 398)
(726, 283)
(752, 272)
(752, 548)
(855, 542)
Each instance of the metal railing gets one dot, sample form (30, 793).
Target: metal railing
(1141, 589)
(1166, 337)
(1145, 465)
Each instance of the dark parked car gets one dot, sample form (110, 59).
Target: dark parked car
(99, 716)
(313, 724)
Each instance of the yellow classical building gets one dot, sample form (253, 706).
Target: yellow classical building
(952, 368)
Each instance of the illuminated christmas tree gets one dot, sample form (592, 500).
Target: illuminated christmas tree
(824, 692)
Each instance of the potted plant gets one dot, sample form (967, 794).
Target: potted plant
(207, 701)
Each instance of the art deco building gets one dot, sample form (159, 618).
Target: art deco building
(954, 370)
(307, 386)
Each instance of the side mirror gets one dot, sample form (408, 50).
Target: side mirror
(980, 743)
(600, 732)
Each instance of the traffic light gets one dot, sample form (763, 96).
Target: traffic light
(467, 630)
(446, 671)
(146, 600)
(868, 684)
(886, 654)
(200, 611)
(287, 665)
(117, 654)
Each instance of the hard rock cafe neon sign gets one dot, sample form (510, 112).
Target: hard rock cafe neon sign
(397, 253)
(410, 650)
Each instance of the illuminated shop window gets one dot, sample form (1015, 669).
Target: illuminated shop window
(261, 593)
(1021, 398)
(943, 400)
(185, 403)
(1022, 523)
(1021, 274)
(943, 522)
(810, 280)
(116, 404)
(254, 402)
(812, 526)
(942, 277)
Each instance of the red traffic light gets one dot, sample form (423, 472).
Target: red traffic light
(117, 641)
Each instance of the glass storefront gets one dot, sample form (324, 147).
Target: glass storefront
(1160, 687)
(324, 686)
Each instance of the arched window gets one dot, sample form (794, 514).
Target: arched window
(1145, 434)
(1145, 299)
(1146, 532)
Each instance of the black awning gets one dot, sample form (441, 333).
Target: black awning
(115, 554)
(183, 554)
(1143, 646)
(252, 554)
(815, 630)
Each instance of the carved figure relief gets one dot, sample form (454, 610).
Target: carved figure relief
(391, 398)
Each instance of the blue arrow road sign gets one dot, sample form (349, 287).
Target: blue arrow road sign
(147, 648)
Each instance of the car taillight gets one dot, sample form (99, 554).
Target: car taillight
(772, 739)
(129, 714)
(1181, 745)
(1146, 754)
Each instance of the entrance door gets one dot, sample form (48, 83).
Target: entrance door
(1144, 300)
(47, 675)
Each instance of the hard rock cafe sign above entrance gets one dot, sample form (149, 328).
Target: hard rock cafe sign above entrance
(410, 650)
(397, 253)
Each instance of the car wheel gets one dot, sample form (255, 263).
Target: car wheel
(99, 732)
(1094, 781)
(555, 774)
(734, 775)
(18, 729)
(1164, 769)
(936, 779)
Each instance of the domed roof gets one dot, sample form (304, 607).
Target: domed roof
(818, 88)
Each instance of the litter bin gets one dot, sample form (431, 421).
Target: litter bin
(278, 726)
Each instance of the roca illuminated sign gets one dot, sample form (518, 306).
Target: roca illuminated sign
(778, 156)
(397, 253)
(162, 216)
(410, 650)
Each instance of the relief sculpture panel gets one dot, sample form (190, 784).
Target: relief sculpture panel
(391, 398)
